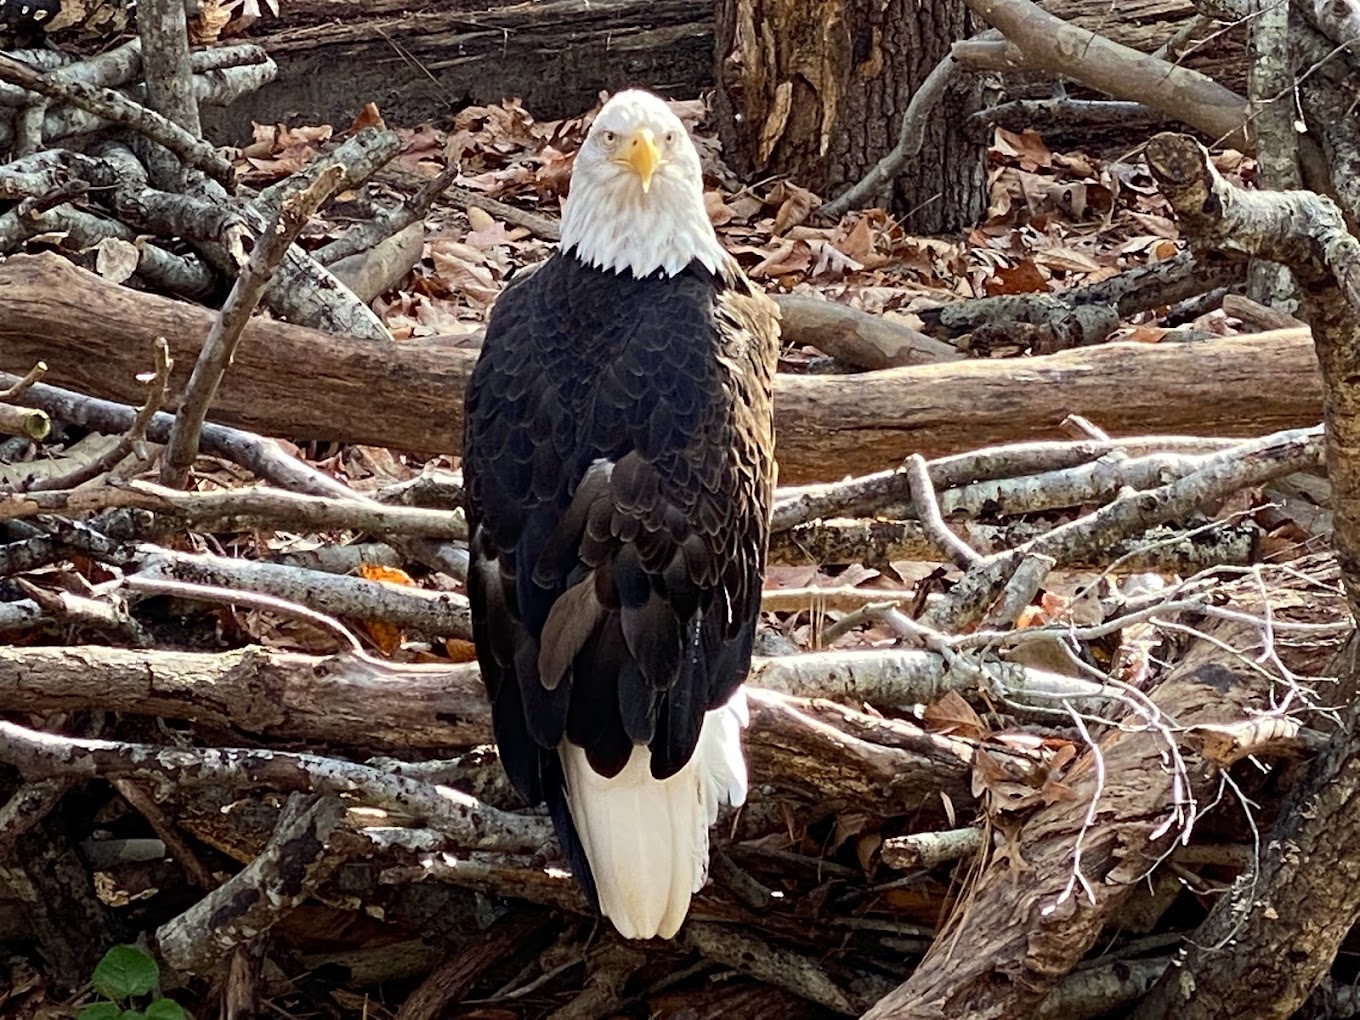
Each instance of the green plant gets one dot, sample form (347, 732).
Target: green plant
(124, 975)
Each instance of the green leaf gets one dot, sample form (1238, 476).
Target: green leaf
(132, 1014)
(98, 1011)
(125, 972)
(165, 1009)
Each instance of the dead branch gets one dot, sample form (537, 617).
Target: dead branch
(776, 966)
(1080, 869)
(262, 457)
(238, 508)
(1132, 512)
(29, 422)
(867, 495)
(875, 543)
(114, 455)
(430, 613)
(1039, 40)
(1087, 314)
(465, 820)
(1230, 964)
(928, 849)
(220, 345)
(826, 429)
(163, 31)
(910, 136)
(855, 337)
(117, 108)
(295, 861)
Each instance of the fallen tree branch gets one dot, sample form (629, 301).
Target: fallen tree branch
(467, 822)
(297, 859)
(430, 613)
(115, 107)
(238, 508)
(876, 543)
(986, 971)
(826, 429)
(1053, 45)
(1228, 967)
(1132, 512)
(220, 345)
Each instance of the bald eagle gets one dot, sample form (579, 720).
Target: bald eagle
(619, 465)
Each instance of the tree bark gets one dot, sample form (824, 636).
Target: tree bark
(816, 90)
(297, 383)
(421, 63)
(556, 56)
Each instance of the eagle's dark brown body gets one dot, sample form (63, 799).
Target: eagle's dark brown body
(619, 464)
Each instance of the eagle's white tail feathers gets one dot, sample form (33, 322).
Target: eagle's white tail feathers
(647, 839)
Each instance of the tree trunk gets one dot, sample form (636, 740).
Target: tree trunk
(556, 55)
(816, 89)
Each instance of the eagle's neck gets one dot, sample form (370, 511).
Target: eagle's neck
(613, 226)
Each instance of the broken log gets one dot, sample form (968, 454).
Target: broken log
(422, 64)
(297, 383)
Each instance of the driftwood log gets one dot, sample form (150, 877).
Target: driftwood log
(288, 381)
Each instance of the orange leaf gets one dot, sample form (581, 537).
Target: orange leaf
(951, 714)
(391, 575)
(385, 635)
(460, 650)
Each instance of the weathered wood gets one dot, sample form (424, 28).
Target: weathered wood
(422, 62)
(297, 383)
(417, 65)
(816, 90)
(1009, 942)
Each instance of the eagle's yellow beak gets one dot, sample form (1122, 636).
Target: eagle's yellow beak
(643, 155)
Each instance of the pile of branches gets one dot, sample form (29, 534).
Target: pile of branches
(362, 786)
(1002, 801)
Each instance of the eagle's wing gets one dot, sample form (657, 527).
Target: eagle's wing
(619, 467)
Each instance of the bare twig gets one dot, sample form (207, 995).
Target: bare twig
(910, 135)
(19, 386)
(222, 339)
(127, 442)
(928, 513)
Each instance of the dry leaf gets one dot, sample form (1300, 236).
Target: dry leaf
(368, 117)
(1023, 278)
(460, 650)
(479, 218)
(952, 714)
(795, 205)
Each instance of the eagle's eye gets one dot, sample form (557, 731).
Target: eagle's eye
(669, 137)
(609, 137)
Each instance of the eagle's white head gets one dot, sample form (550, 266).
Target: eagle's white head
(637, 197)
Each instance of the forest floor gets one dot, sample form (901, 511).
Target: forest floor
(1055, 221)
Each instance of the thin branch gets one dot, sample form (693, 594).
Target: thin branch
(928, 513)
(910, 136)
(218, 348)
(467, 821)
(118, 108)
(127, 442)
